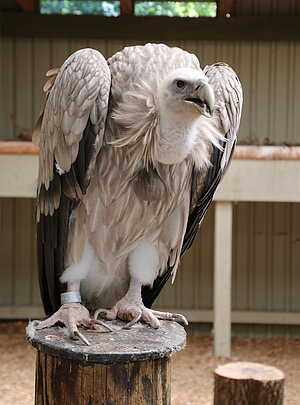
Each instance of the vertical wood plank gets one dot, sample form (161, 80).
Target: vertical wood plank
(241, 254)
(294, 118)
(203, 252)
(76, 44)
(280, 85)
(7, 252)
(100, 378)
(295, 260)
(7, 83)
(35, 289)
(23, 240)
(261, 259)
(41, 65)
(113, 46)
(222, 278)
(184, 281)
(207, 53)
(38, 382)
(279, 256)
(295, 256)
(23, 82)
(261, 130)
(147, 379)
(260, 264)
(244, 73)
(99, 45)
(86, 385)
(60, 51)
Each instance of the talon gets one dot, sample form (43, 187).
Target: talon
(98, 322)
(169, 316)
(135, 320)
(81, 337)
(99, 311)
(180, 317)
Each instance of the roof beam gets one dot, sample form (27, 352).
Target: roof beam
(127, 7)
(29, 6)
(267, 28)
(224, 7)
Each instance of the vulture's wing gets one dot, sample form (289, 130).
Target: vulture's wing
(227, 114)
(71, 134)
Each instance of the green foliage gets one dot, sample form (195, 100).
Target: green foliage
(175, 9)
(79, 7)
(141, 8)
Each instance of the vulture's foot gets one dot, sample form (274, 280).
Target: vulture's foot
(135, 311)
(73, 315)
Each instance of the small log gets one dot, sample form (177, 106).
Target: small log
(125, 367)
(244, 383)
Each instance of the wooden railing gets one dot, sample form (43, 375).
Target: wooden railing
(257, 173)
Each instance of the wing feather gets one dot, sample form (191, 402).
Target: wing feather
(226, 118)
(227, 115)
(71, 133)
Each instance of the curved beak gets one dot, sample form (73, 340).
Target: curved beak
(204, 98)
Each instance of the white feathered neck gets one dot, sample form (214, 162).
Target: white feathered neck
(138, 121)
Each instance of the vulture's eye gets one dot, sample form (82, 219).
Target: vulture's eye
(180, 84)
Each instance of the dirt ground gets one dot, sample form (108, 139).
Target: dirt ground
(192, 368)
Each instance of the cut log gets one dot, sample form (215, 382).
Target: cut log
(244, 383)
(125, 367)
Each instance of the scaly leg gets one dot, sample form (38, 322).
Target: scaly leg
(73, 314)
(131, 308)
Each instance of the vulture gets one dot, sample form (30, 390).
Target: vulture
(132, 150)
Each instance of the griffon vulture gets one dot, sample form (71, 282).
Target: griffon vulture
(131, 152)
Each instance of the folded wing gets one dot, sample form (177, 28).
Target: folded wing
(69, 134)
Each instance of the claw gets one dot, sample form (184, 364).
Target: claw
(81, 337)
(100, 311)
(170, 316)
(98, 322)
(180, 317)
(135, 320)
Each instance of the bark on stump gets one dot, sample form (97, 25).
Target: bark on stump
(243, 383)
(124, 367)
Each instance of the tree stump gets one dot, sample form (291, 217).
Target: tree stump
(243, 383)
(124, 367)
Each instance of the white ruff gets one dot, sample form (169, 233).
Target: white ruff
(177, 135)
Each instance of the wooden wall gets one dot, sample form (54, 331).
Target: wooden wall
(266, 244)
(268, 71)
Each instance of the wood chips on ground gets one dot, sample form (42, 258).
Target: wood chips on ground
(192, 368)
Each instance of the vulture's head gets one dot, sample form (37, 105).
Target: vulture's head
(187, 91)
(185, 102)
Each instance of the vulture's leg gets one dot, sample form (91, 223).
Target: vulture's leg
(143, 268)
(72, 315)
(131, 308)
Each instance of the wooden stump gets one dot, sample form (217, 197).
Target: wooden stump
(125, 367)
(244, 383)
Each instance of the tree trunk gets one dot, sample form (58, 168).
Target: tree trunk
(62, 381)
(244, 383)
(124, 367)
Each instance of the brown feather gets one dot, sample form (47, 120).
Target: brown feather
(148, 186)
(52, 72)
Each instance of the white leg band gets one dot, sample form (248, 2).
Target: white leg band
(69, 297)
